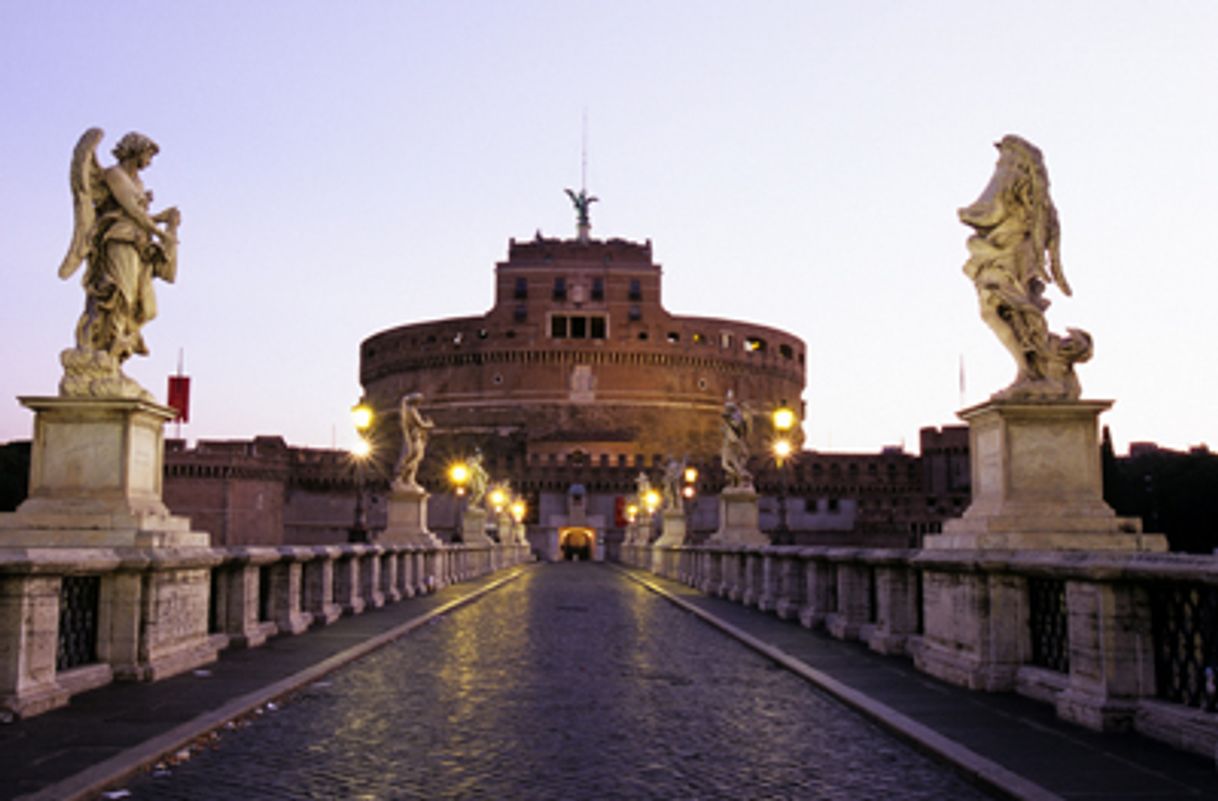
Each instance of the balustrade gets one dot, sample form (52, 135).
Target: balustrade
(1114, 640)
(75, 619)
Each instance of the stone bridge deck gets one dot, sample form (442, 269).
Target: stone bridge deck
(571, 681)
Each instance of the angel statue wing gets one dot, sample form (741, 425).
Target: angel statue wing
(88, 189)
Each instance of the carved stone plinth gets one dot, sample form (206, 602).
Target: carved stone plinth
(95, 478)
(473, 527)
(738, 519)
(1037, 483)
(407, 521)
(672, 532)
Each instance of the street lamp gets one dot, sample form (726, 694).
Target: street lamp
(362, 417)
(784, 421)
(458, 476)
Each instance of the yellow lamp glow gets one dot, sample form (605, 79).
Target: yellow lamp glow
(784, 419)
(361, 416)
(498, 498)
(688, 491)
(518, 508)
(691, 475)
(782, 450)
(632, 512)
(361, 449)
(651, 499)
(458, 474)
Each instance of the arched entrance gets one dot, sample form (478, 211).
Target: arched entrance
(577, 542)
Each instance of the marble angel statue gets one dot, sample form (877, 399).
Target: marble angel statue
(124, 247)
(1014, 253)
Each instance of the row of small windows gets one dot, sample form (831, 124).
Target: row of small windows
(559, 290)
(577, 326)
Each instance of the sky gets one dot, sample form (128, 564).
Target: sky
(342, 168)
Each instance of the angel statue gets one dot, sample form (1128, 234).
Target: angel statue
(735, 450)
(1014, 253)
(124, 247)
(415, 429)
(583, 204)
(477, 480)
(674, 473)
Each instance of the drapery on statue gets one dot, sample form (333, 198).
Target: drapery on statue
(125, 247)
(735, 450)
(1013, 255)
(477, 480)
(415, 430)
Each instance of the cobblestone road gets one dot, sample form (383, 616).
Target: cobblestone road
(570, 683)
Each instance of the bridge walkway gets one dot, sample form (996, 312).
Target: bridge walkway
(105, 737)
(1012, 740)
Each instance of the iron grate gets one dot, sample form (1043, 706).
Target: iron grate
(78, 603)
(1185, 627)
(1048, 624)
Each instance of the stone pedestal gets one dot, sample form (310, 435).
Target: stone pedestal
(1037, 482)
(473, 527)
(95, 478)
(738, 518)
(672, 531)
(1037, 486)
(407, 518)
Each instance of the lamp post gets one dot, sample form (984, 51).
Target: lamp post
(688, 492)
(362, 417)
(458, 476)
(499, 497)
(651, 502)
(784, 421)
(518, 509)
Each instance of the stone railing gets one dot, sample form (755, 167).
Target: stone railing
(72, 619)
(1114, 640)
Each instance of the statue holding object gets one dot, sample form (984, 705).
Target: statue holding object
(734, 452)
(124, 247)
(1014, 253)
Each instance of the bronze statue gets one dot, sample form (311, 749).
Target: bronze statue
(583, 205)
(124, 247)
(1013, 255)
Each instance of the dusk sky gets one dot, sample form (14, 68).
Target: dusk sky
(342, 168)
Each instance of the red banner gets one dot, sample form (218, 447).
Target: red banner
(179, 397)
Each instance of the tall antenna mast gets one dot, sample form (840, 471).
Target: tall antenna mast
(583, 156)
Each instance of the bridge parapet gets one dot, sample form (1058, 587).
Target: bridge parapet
(72, 619)
(1114, 640)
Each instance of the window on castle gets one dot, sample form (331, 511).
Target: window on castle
(636, 314)
(636, 289)
(560, 289)
(577, 326)
(522, 288)
(521, 314)
(754, 344)
(598, 288)
(673, 337)
(786, 351)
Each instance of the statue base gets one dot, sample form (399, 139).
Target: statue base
(473, 528)
(673, 528)
(96, 468)
(407, 518)
(1037, 482)
(738, 518)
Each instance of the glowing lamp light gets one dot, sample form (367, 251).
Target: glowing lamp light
(688, 491)
(784, 419)
(498, 498)
(518, 509)
(361, 449)
(458, 474)
(691, 475)
(632, 512)
(361, 416)
(651, 499)
(782, 450)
